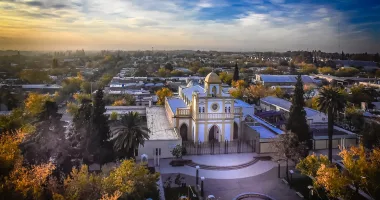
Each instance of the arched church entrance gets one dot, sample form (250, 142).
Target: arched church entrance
(213, 134)
(236, 131)
(183, 132)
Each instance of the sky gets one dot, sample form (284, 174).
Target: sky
(351, 26)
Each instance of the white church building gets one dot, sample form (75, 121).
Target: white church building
(202, 114)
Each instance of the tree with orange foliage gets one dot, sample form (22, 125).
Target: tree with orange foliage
(35, 103)
(17, 180)
(239, 89)
(330, 178)
(162, 94)
(30, 181)
(255, 92)
(361, 170)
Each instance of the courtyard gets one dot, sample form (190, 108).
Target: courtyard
(260, 176)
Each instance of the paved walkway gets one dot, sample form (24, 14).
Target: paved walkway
(222, 159)
(265, 183)
(258, 168)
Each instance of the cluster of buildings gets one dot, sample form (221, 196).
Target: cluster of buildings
(205, 113)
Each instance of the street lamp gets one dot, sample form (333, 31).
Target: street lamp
(279, 175)
(202, 191)
(310, 191)
(196, 174)
(291, 178)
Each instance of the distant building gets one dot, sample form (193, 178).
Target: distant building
(41, 88)
(282, 80)
(317, 122)
(313, 117)
(369, 65)
(344, 81)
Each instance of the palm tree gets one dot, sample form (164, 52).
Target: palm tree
(128, 133)
(331, 100)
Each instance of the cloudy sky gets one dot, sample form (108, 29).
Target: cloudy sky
(238, 25)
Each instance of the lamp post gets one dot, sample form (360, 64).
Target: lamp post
(202, 191)
(291, 178)
(279, 175)
(196, 174)
(310, 191)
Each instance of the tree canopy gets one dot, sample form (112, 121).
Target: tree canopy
(162, 94)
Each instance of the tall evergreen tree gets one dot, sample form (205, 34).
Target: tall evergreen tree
(343, 56)
(236, 73)
(81, 137)
(55, 63)
(100, 121)
(297, 116)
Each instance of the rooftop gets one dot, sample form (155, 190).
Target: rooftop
(284, 104)
(41, 86)
(188, 92)
(264, 132)
(158, 124)
(212, 78)
(285, 78)
(121, 110)
(240, 103)
(175, 103)
(267, 125)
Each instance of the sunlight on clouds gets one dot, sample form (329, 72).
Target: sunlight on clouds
(170, 24)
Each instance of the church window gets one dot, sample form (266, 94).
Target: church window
(214, 91)
(215, 107)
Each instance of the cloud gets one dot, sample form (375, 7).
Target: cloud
(277, 1)
(135, 24)
(34, 3)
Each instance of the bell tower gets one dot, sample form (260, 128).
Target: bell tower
(213, 85)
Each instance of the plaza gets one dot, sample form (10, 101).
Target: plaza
(260, 177)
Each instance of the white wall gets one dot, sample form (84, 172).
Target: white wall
(219, 102)
(201, 134)
(150, 146)
(227, 132)
(319, 118)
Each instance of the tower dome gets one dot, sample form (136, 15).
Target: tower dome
(213, 78)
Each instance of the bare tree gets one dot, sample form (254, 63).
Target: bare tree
(288, 147)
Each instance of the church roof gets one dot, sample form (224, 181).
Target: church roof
(188, 92)
(212, 78)
(175, 103)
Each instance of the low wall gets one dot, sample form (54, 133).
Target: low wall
(343, 142)
(150, 146)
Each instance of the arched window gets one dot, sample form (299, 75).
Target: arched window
(229, 109)
(213, 91)
(225, 109)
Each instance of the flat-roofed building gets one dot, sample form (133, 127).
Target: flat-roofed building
(282, 80)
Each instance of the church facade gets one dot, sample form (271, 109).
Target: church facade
(206, 113)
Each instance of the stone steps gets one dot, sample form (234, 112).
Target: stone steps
(224, 168)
